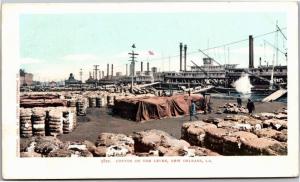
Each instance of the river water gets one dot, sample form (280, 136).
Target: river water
(257, 97)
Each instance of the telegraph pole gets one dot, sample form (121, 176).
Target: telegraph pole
(132, 56)
(276, 42)
(80, 74)
(96, 71)
(169, 62)
(80, 77)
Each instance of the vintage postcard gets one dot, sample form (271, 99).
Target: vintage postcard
(150, 90)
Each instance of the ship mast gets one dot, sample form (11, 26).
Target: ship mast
(276, 51)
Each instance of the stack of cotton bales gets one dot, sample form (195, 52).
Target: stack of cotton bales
(110, 100)
(68, 123)
(55, 122)
(71, 103)
(38, 121)
(100, 101)
(86, 102)
(92, 101)
(25, 123)
(81, 107)
(74, 116)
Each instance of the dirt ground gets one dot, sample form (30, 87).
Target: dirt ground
(98, 120)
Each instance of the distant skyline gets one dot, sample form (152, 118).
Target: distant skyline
(54, 45)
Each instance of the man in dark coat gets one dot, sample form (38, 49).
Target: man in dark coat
(250, 106)
(239, 101)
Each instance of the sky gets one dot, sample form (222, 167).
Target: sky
(54, 45)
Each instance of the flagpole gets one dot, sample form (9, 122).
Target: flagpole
(163, 64)
(169, 63)
(132, 54)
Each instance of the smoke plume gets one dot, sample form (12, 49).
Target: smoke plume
(243, 85)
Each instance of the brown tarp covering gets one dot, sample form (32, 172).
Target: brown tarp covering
(40, 96)
(41, 100)
(142, 109)
(29, 103)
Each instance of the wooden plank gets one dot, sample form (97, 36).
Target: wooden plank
(203, 89)
(274, 96)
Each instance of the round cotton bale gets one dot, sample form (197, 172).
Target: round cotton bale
(55, 124)
(92, 101)
(73, 115)
(38, 121)
(25, 123)
(71, 103)
(98, 101)
(81, 109)
(67, 122)
(110, 100)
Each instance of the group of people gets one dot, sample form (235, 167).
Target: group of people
(206, 106)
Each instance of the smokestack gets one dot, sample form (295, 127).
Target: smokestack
(251, 63)
(180, 56)
(93, 74)
(259, 61)
(112, 70)
(141, 66)
(90, 75)
(185, 48)
(102, 74)
(148, 67)
(107, 70)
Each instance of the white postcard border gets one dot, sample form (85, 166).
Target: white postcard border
(68, 168)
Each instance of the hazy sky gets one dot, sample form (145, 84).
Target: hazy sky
(54, 45)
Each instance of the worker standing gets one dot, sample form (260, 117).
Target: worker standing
(250, 106)
(193, 111)
(209, 107)
(239, 101)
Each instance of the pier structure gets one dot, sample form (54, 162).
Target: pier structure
(223, 75)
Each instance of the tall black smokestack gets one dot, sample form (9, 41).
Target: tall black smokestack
(112, 70)
(141, 66)
(126, 69)
(185, 48)
(251, 53)
(148, 67)
(180, 56)
(107, 71)
(259, 61)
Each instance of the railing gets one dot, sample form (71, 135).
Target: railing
(260, 74)
(204, 77)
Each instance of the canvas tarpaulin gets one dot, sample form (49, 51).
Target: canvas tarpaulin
(30, 100)
(30, 103)
(147, 108)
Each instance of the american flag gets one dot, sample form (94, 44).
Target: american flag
(151, 53)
